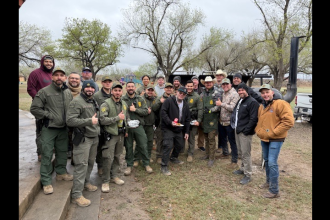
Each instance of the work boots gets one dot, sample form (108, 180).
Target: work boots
(105, 188)
(136, 163)
(128, 171)
(48, 189)
(149, 169)
(117, 180)
(90, 187)
(65, 176)
(189, 158)
(81, 201)
(159, 160)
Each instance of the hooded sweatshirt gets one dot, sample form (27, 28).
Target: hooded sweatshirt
(39, 78)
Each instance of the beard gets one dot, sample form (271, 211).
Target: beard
(89, 94)
(130, 92)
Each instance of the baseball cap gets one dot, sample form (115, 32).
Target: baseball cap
(177, 78)
(168, 85)
(104, 78)
(194, 77)
(48, 57)
(86, 68)
(150, 86)
(182, 89)
(265, 86)
(226, 80)
(58, 69)
(88, 83)
(116, 84)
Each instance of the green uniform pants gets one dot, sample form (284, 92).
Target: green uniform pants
(53, 138)
(111, 152)
(210, 144)
(138, 134)
(84, 157)
(149, 130)
(191, 140)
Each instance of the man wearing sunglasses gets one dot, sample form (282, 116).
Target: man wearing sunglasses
(86, 74)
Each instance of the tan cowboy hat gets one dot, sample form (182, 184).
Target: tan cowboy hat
(220, 72)
(208, 79)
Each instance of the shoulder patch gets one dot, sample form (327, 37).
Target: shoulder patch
(191, 101)
(124, 106)
(139, 103)
(103, 109)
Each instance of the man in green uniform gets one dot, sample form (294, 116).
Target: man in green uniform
(137, 108)
(149, 121)
(210, 120)
(168, 91)
(83, 114)
(50, 105)
(195, 104)
(113, 118)
(100, 96)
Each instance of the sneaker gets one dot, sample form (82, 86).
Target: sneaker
(245, 180)
(65, 176)
(136, 163)
(270, 195)
(151, 160)
(48, 189)
(159, 160)
(149, 169)
(204, 157)
(90, 187)
(210, 163)
(128, 171)
(117, 180)
(100, 171)
(39, 158)
(81, 201)
(201, 148)
(189, 158)
(238, 172)
(264, 185)
(176, 160)
(68, 154)
(165, 171)
(105, 188)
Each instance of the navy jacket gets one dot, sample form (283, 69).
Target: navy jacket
(170, 110)
(247, 116)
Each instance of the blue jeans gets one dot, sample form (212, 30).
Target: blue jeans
(270, 152)
(228, 131)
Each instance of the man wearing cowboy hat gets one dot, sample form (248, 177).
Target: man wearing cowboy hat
(210, 119)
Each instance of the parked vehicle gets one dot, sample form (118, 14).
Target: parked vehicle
(303, 108)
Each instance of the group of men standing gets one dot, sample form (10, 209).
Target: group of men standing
(73, 114)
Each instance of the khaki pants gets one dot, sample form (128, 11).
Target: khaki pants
(243, 143)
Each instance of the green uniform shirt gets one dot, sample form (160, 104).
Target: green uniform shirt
(210, 120)
(140, 105)
(195, 104)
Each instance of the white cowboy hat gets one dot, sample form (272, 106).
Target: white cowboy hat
(220, 72)
(208, 79)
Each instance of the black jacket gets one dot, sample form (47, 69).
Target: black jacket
(170, 110)
(247, 116)
(252, 93)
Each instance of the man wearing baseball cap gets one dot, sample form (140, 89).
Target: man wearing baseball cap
(100, 96)
(175, 110)
(168, 92)
(86, 74)
(270, 113)
(237, 79)
(51, 104)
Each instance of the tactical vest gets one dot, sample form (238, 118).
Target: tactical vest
(210, 120)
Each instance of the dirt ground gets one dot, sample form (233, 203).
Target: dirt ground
(124, 202)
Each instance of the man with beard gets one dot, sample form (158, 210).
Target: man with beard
(137, 110)
(195, 104)
(51, 104)
(244, 120)
(168, 91)
(100, 96)
(73, 84)
(38, 79)
(175, 122)
(176, 84)
(83, 114)
(113, 118)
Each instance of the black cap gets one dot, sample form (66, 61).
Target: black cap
(86, 68)
(177, 78)
(182, 89)
(237, 75)
(88, 83)
(243, 86)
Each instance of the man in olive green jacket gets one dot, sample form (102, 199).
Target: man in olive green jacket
(50, 104)
(137, 108)
(83, 114)
(113, 118)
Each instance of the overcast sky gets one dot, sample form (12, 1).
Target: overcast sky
(233, 15)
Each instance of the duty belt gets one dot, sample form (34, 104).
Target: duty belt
(224, 123)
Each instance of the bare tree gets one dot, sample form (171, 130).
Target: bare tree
(33, 42)
(282, 20)
(166, 27)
